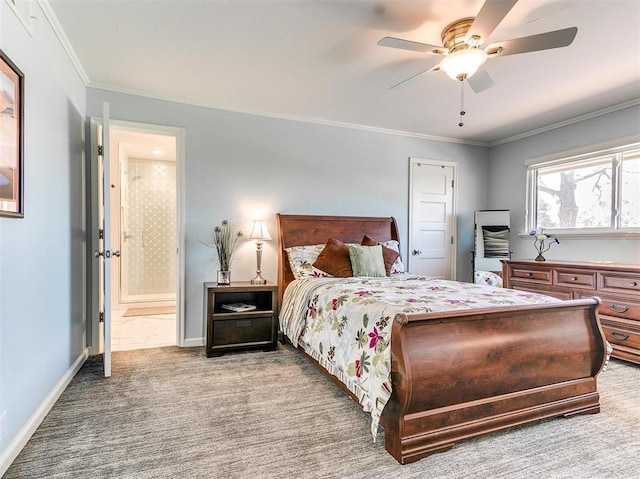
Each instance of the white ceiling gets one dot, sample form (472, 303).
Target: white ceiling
(319, 60)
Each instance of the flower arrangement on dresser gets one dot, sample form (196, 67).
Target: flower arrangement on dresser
(539, 242)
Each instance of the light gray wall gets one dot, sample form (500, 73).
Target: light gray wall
(42, 328)
(243, 167)
(508, 178)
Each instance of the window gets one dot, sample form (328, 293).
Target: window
(589, 193)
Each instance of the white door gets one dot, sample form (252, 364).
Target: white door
(432, 219)
(104, 253)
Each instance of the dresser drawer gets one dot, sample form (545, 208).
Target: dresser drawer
(533, 275)
(620, 282)
(575, 279)
(618, 334)
(620, 307)
(531, 288)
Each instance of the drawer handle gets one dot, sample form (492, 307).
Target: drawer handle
(529, 274)
(619, 308)
(574, 278)
(633, 284)
(243, 324)
(618, 335)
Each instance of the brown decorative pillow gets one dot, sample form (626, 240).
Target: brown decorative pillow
(388, 255)
(334, 259)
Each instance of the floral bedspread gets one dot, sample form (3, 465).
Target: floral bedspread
(345, 323)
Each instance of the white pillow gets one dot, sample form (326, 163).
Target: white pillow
(397, 267)
(301, 259)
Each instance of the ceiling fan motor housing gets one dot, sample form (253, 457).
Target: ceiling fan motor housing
(454, 34)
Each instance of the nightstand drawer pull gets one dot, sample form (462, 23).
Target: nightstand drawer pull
(243, 324)
(618, 335)
(633, 284)
(529, 274)
(619, 308)
(574, 278)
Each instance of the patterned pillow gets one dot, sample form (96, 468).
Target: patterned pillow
(488, 278)
(397, 267)
(367, 260)
(301, 259)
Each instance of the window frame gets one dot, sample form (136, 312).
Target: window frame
(615, 230)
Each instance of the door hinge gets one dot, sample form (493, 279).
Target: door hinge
(451, 183)
(452, 240)
(99, 150)
(101, 317)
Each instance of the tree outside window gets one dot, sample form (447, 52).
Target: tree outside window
(597, 192)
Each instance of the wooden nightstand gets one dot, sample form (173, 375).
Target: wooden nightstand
(233, 331)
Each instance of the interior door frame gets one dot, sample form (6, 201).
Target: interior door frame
(454, 209)
(93, 313)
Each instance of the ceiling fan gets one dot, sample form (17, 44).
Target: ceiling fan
(462, 56)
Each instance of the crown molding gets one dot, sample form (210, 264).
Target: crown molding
(571, 121)
(317, 121)
(62, 37)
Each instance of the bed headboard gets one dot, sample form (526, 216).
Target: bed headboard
(300, 230)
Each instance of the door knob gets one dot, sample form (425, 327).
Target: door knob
(416, 252)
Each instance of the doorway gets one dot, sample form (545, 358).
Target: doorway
(143, 229)
(432, 227)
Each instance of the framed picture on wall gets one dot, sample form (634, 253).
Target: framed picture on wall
(11, 139)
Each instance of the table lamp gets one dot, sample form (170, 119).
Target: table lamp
(260, 233)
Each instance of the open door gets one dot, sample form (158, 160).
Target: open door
(103, 254)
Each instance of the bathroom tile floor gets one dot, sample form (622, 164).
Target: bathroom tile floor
(138, 332)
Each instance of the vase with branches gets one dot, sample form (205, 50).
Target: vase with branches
(226, 243)
(542, 242)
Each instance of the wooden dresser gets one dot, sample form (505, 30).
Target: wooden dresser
(617, 285)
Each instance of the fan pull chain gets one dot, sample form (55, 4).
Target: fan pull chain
(462, 112)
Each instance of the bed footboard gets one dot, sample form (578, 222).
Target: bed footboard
(461, 374)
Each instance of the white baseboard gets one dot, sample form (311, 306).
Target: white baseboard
(193, 342)
(12, 451)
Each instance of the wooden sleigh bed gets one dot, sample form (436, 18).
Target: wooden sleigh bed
(461, 374)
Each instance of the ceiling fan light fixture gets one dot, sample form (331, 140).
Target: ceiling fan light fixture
(462, 64)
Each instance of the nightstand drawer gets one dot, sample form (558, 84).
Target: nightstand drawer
(243, 331)
(575, 279)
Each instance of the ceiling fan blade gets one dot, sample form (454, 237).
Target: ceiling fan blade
(480, 81)
(413, 78)
(488, 18)
(542, 41)
(410, 45)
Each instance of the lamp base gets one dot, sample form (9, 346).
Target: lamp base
(258, 280)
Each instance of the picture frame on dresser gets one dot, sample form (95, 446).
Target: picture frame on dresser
(11, 138)
(616, 285)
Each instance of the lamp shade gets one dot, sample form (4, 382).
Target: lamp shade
(463, 63)
(260, 231)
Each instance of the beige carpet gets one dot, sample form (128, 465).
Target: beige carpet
(149, 311)
(172, 413)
